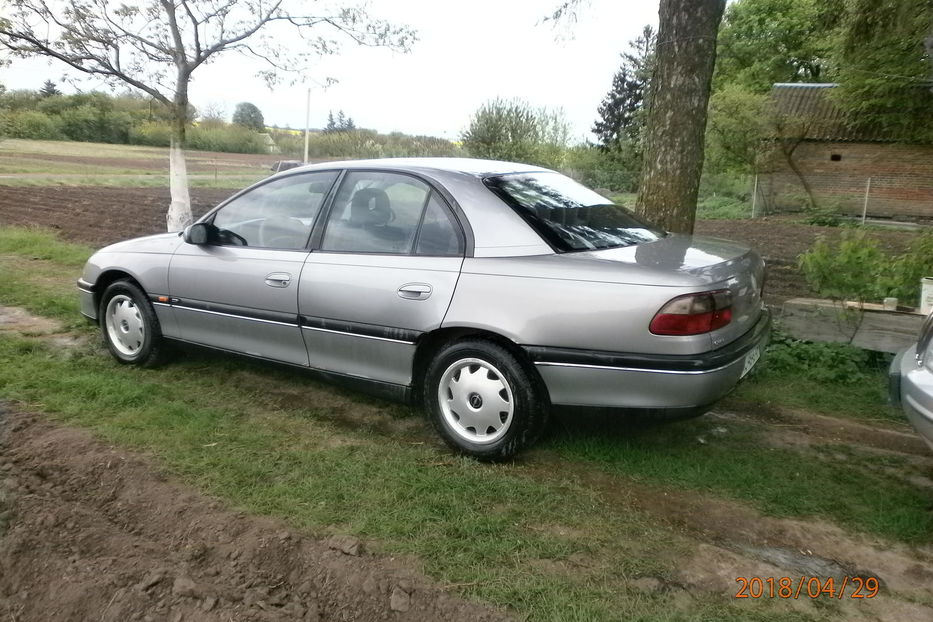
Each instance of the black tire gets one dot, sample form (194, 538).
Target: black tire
(494, 379)
(130, 326)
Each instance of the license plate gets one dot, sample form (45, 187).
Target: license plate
(750, 359)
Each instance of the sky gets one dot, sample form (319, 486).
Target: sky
(467, 53)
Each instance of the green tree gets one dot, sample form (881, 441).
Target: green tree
(738, 120)
(620, 113)
(249, 116)
(884, 70)
(762, 42)
(155, 46)
(514, 130)
(339, 123)
(49, 89)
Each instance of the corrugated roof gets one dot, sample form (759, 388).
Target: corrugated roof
(810, 108)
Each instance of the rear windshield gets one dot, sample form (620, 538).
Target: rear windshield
(568, 215)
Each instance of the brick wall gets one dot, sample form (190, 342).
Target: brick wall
(901, 179)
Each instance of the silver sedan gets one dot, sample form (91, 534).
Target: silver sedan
(489, 292)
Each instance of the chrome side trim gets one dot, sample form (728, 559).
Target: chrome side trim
(347, 334)
(238, 317)
(642, 370)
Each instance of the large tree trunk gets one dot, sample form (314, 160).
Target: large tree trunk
(677, 102)
(179, 211)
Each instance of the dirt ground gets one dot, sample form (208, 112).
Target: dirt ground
(100, 216)
(95, 533)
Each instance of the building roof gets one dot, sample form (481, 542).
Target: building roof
(812, 107)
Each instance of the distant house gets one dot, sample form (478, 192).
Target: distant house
(817, 153)
(269, 143)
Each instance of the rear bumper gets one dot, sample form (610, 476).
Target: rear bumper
(585, 378)
(911, 388)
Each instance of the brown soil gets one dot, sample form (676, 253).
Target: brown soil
(96, 533)
(97, 216)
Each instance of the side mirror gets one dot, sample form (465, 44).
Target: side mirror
(199, 233)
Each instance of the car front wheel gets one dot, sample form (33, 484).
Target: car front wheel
(482, 401)
(129, 325)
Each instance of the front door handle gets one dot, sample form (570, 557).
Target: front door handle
(415, 291)
(278, 279)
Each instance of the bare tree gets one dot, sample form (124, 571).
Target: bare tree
(677, 102)
(156, 45)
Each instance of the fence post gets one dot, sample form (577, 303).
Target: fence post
(865, 204)
(755, 198)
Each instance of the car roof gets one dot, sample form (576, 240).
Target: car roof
(469, 166)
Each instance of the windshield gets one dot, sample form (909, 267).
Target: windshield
(571, 217)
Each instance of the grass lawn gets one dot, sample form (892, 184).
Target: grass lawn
(539, 538)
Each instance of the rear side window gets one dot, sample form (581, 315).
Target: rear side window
(571, 217)
(439, 236)
(389, 213)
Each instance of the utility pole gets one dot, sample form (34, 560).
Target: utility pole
(307, 122)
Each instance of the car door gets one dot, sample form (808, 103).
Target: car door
(239, 291)
(383, 274)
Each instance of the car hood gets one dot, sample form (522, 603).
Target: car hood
(158, 243)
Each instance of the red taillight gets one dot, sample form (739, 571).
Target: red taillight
(694, 314)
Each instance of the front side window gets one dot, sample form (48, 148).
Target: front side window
(376, 212)
(571, 217)
(278, 214)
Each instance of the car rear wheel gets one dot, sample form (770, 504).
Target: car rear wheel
(129, 325)
(482, 401)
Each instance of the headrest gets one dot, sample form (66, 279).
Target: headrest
(370, 206)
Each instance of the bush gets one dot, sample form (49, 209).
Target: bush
(835, 363)
(30, 124)
(229, 139)
(514, 131)
(151, 134)
(854, 268)
(617, 171)
(362, 144)
(725, 195)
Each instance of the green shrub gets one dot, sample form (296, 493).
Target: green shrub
(909, 268)
(598, 168)
(852, 268)
(855, 268)
(30, 124)
(151, 134)
(725, 195)
(229, 139)
(514, 131)
(363, 143)
(835, 363)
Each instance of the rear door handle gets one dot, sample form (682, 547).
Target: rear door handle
(414, 291)
(278, 279)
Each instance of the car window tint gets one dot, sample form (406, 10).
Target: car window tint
(439, 235)
(278, 214)
(375, 212)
